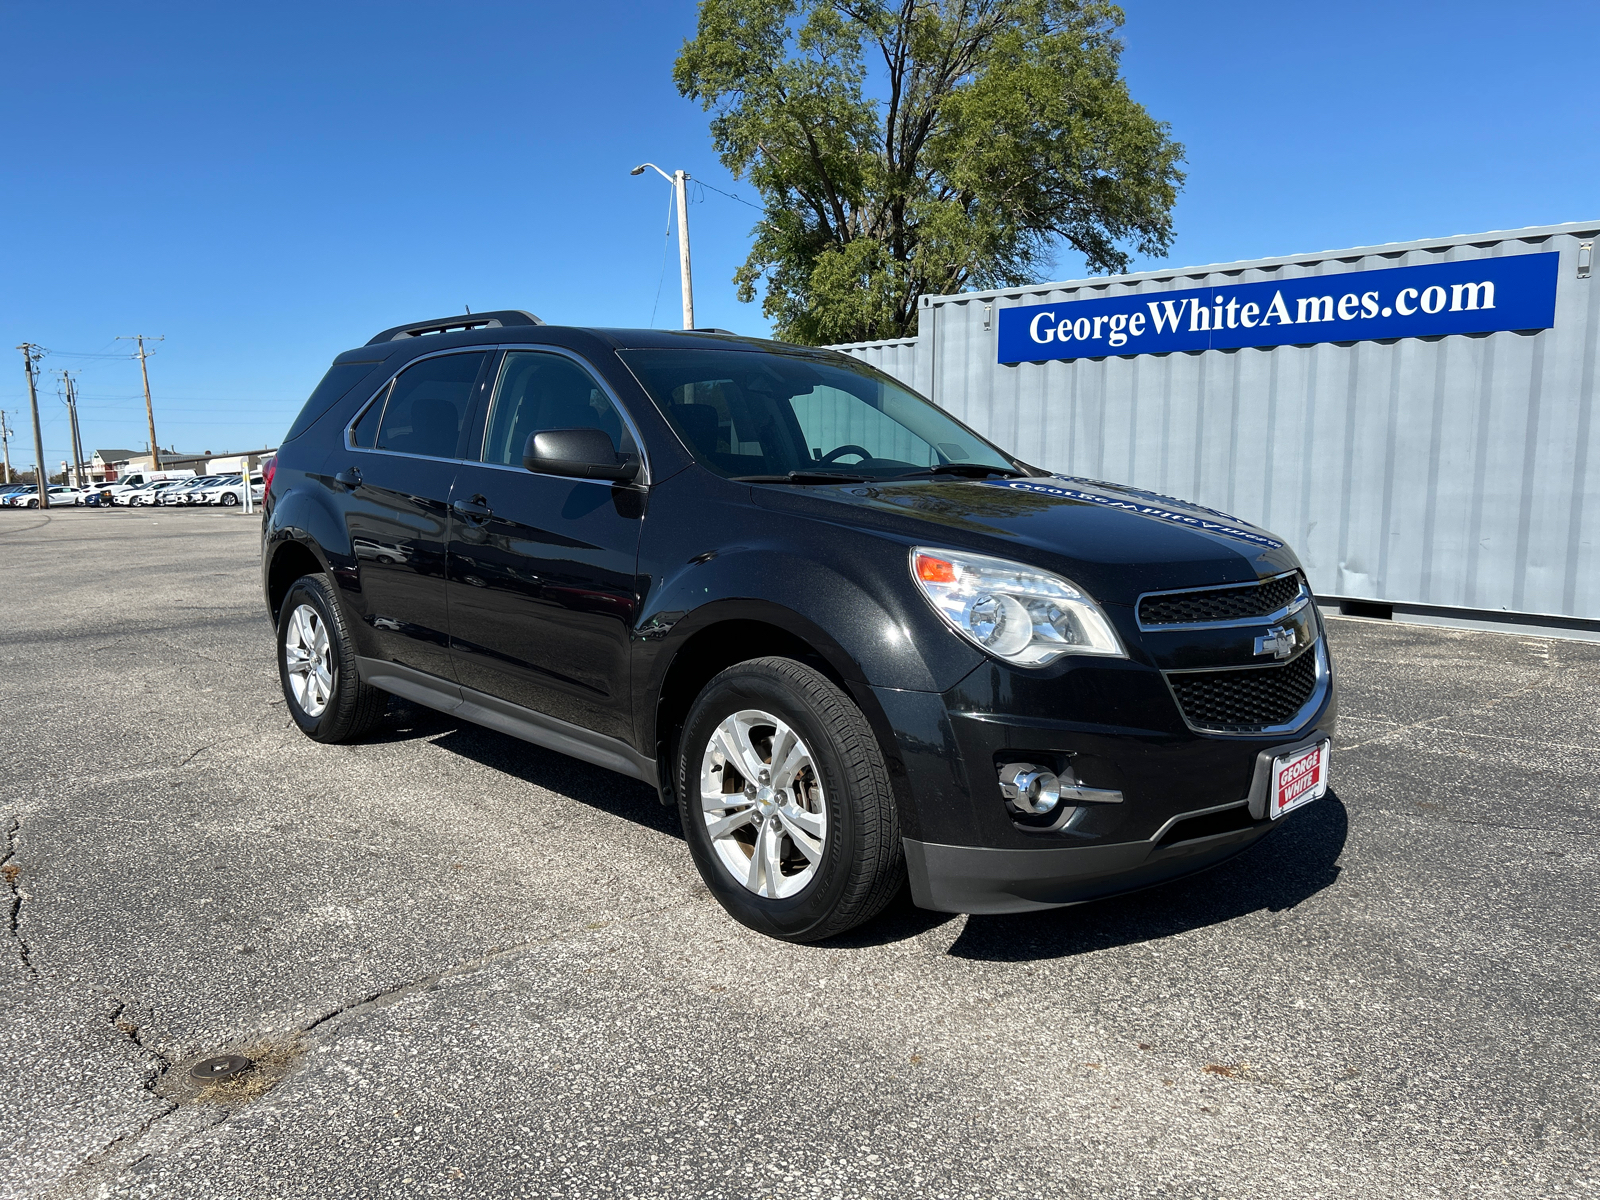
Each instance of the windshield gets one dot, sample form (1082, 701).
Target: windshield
(770, 415)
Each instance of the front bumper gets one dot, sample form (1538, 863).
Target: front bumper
(1191, 799)
(978, 879)
(988, 880)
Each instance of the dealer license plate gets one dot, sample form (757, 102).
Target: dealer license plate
(1298, 779)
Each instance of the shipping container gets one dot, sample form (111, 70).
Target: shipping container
(1415, 418)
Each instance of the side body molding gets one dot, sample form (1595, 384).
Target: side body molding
(481, 709)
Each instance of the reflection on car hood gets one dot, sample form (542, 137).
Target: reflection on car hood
(1116, 541)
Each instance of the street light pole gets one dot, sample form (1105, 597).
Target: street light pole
(679, 180)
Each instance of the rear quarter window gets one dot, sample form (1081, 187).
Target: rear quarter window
(341, 377)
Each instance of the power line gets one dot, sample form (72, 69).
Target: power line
(731, 196)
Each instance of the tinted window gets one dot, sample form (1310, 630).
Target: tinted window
(545, 391)
(428, 404)
(745, 413)
(341, 377)
(365, 431)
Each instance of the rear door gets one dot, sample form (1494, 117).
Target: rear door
(542, 568)
(404, 450)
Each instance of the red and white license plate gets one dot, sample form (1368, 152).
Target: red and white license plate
(1298, 779)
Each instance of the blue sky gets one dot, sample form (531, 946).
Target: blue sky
(269, 185)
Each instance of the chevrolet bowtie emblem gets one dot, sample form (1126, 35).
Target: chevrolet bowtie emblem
(1279, 642)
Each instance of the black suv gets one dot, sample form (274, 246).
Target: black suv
(846, 636)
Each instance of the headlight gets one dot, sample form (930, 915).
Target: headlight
(1019, 613)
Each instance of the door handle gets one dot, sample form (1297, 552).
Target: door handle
(350, 477)
(476, 509)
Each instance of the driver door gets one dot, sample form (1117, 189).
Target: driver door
(542, 568)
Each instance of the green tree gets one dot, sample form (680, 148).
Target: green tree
(925, 146)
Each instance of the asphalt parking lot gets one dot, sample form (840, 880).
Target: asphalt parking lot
(470, 967)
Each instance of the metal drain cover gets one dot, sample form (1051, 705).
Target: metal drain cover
(226, 1066)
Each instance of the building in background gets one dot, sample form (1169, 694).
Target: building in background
(106, 466)
(1415, 418)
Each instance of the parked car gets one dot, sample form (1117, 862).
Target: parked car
(11, 489)
(61, 496)
(149, 493)
(188, 491)
(141, 477)
(848, 638)
(230, 492)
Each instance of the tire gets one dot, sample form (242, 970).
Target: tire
(229, 499)
(34, 503)
(823, 886)
(330, 705)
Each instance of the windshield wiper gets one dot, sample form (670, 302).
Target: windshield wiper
(803, 477)
(965, 469)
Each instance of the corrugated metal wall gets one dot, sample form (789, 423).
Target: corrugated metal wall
(1459, 471)
(898, 358)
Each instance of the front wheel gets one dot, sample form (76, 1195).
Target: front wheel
(785, 802)
(316, 665)
(229, 498)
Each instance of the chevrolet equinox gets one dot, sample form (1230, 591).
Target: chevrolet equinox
(850, 640)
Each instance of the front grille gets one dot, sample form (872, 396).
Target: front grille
(1220, 604)
(1247, 698)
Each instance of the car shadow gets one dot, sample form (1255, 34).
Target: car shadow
(1277, 873)
(580, 781)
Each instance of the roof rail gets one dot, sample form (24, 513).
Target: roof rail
(488, 320)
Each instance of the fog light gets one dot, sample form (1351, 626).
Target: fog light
(1031, 788)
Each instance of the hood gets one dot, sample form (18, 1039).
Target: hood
(1116, 541)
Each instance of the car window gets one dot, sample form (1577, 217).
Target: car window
(768, 414)
(538, 391)
(365, 431)
(427, 405)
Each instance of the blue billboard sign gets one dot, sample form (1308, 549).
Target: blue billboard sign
(1480, 295)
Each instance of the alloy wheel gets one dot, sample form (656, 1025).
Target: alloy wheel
(762, 802)
(308, 658)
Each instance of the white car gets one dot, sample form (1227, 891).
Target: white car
(148, 493)
(60, 496)
(188, 491)
(230, 492)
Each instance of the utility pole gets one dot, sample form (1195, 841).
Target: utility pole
(679, 180)
(5, 441)
(30, 355)
(72, 418)
(149, 409)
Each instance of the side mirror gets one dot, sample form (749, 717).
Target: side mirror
(581, 453)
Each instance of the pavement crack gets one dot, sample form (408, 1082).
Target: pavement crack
(12, 874)
(158, 1065)
(393, 995)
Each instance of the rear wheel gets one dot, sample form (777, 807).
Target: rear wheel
(785, 802)
(316, 665)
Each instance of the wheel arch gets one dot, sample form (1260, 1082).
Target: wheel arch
(289, 558)
(738, 633)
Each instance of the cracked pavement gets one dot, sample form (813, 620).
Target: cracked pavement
(470, 967)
